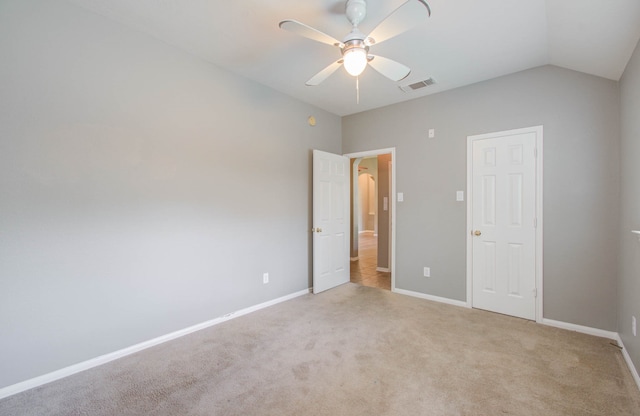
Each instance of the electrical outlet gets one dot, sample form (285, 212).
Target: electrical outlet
(265, 278)
(633, 325)
(427, 272)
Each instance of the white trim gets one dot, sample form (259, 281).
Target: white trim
(103, 359)
(431, 297)
(389, 230)
(579, 328)
(382, 269)
(627, 359)
(469, 302)
(539, 222)
(392, 151)
(538, 130)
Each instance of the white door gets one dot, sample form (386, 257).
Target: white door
(503, 228)
(330, 220)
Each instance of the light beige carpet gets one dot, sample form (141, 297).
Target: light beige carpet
(354, 351)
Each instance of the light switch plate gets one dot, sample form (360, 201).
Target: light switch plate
(432, 133)
(460, 196)
(400, 197)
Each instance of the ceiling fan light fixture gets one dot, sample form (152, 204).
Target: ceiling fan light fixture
(355, 46)
(355, 60)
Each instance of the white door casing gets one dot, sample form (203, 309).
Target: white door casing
(504, 203)
(331, 222)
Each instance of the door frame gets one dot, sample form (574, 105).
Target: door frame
(392, 202)
(538, 131)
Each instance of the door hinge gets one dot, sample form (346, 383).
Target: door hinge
(535, 223)
(535, 152)
(535, 292)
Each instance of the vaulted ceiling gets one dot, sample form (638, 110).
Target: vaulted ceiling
(463, 42)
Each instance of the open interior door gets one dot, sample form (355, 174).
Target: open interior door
(330, 220)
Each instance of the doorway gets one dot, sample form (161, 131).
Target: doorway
(372, 218)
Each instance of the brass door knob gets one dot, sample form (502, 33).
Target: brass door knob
(477, 233)
(316, 230)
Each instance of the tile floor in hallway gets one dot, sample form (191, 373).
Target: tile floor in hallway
(363, 270)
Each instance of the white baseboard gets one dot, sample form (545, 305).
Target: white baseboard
(103, 359)
(627, 359)
(579, 328)
(383, 269)
(431, 297)
(354, 258)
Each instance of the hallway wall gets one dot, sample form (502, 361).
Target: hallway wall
(384, 216)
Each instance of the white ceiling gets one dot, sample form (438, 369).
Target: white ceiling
(463, 42)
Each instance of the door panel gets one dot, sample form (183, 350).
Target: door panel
(330, 220)
(503, 224)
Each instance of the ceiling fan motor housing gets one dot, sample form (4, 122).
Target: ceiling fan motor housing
(354, 44)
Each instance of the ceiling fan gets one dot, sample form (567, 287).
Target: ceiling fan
(354, 48)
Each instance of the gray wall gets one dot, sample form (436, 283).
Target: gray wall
(384, 217)
(629, 282)
(580, 115)
(141, 190)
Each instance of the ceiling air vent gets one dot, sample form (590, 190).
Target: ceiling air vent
(417, 85)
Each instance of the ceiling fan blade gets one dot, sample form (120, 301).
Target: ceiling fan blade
(308, 32)
(324, 74)
(391, 69)
(400, 20)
